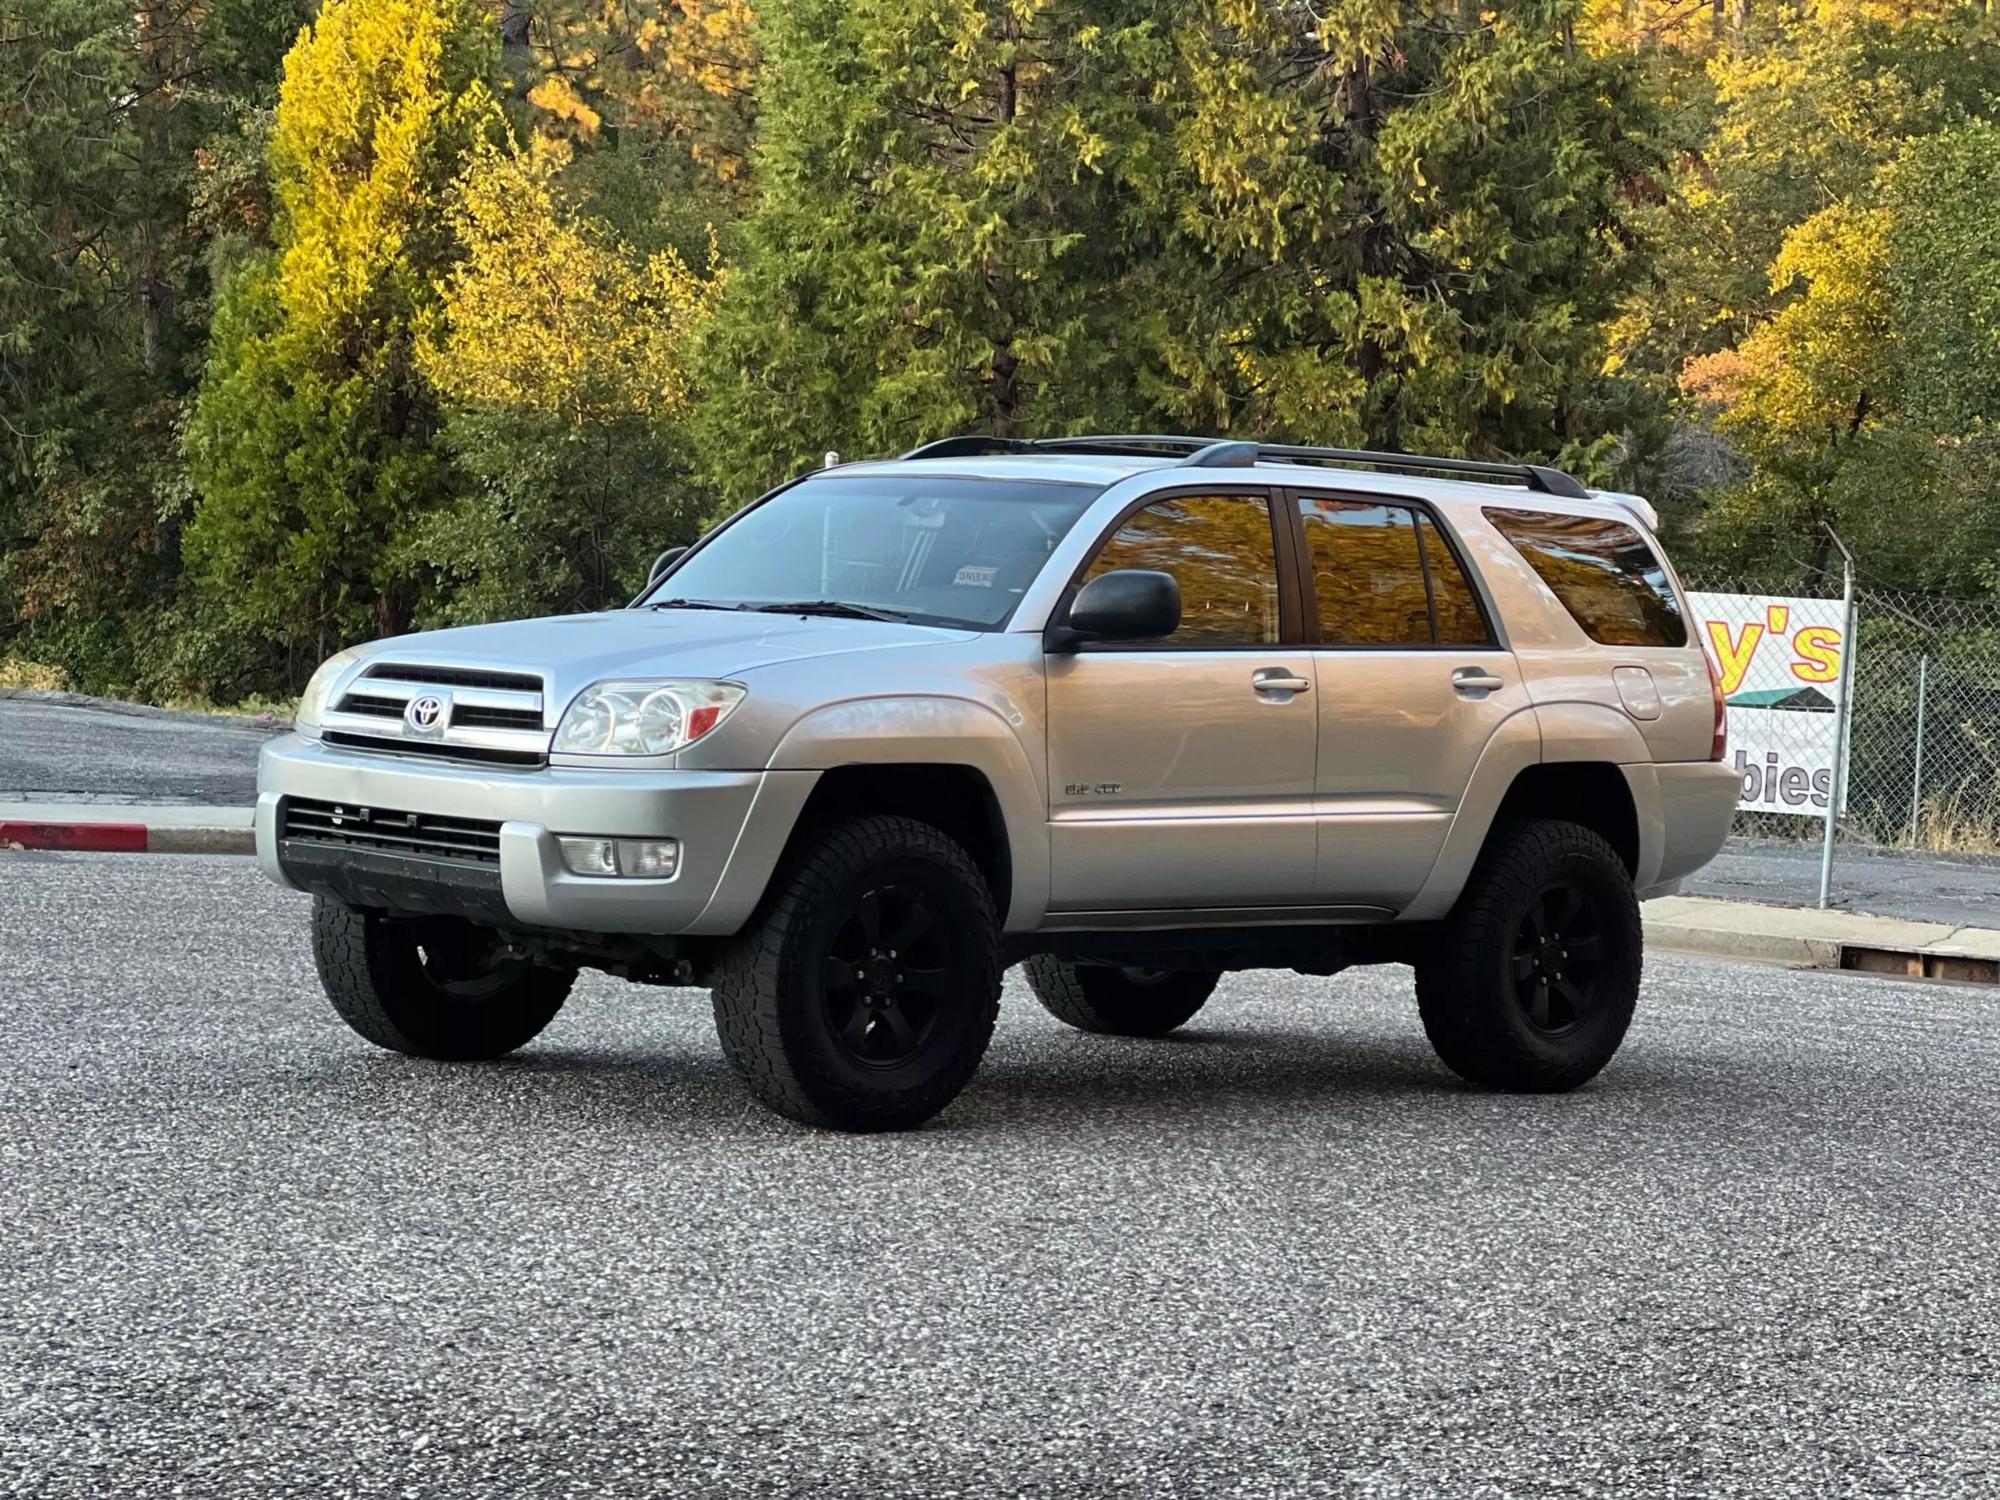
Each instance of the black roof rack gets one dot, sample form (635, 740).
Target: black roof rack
(1226, 453)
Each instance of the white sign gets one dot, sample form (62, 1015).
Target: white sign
(1780, 664)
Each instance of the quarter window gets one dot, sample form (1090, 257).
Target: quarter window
(1220, 549)
(1459, 621)
(1604, 573)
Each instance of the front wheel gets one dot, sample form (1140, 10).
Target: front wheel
(1118, 1001)
(865, 994)
(436, 987)
(1532, 979)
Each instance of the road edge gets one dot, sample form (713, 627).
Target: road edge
(261, 724)
(188, 835)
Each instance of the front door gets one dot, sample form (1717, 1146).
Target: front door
(1412, 685)
(1181, 770)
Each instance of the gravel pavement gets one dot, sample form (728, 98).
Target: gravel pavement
(246, 1255)
(57, 753)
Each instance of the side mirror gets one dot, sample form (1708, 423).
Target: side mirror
(663, 562)
(1131, 604)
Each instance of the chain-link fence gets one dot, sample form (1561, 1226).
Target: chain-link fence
(1922, 764)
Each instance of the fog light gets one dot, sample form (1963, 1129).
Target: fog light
(590, 856)
(638, 859)
(649, 859)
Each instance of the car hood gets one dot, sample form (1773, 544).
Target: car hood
(573, 651)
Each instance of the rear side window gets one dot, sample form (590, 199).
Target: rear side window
(1604, 572)
(1367, 573)
(1382, 576)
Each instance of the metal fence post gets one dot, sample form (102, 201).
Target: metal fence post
(1917, 772)
(1843, 706)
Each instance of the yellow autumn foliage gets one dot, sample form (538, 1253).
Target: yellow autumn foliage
(550, 312)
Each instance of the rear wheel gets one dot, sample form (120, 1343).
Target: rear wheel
(1118, 1001)
(865, 994)
(1532, 980)
(436, 987)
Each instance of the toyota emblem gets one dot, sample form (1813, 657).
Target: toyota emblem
(427, 713)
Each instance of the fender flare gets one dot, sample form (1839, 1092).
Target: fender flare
(939, 730)
(1511, 749)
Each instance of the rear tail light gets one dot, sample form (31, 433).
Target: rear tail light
(1719, 745)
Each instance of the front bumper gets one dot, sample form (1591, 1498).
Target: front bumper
(731, 826)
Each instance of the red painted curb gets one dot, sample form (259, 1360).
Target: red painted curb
(112, 838)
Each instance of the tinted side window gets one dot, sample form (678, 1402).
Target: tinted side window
(1220, 550)
(1459, 622)
(1367, 573)
(1604, 573)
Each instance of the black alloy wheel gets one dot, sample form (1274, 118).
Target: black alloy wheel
(1530, 981)
(1558, 952)
(888, 975)
(863, 995)
(464, 961)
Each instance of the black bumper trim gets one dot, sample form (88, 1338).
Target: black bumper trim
(398, 883)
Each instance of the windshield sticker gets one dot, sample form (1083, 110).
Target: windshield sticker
(970, 577)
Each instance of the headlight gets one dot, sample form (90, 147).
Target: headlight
(312, 702)
(643, 718)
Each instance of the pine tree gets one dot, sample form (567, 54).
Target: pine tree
(314, 444)
(1400, 223)
(103, 297)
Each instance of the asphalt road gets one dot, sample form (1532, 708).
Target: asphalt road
(1961, 889)
(245, 1254)
(55, 753)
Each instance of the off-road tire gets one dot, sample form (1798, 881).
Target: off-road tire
(375, 972)
(1118, 1002)
(778, 1015)
(1470, 977)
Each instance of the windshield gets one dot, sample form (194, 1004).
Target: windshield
(936, 551)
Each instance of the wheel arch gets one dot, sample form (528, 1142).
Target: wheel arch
(948, 761)
(1522, 773)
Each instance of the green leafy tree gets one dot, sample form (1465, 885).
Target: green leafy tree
(103, 299)
(1816, 298)
(1061, 214)
(559, 354)
(314, 444)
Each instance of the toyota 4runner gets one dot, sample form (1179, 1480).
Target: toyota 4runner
(1133, 711)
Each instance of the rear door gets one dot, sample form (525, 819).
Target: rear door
(1181, 770)
(1412, 683)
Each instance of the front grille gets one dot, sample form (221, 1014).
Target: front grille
(473, 715)
(436, 749)
(477, 716)
(387, 830)
(466, 677)
(380, 708)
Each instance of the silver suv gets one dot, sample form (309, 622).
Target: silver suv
(1133, 711)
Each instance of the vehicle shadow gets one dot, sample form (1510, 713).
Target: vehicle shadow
(1042, 1080)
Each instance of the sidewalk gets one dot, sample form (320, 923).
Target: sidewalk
(1806, 938)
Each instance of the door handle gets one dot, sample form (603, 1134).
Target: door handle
(1476, 680)
(1278, 680)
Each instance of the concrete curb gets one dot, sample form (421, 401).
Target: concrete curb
(255, 722)
(130, 830)
(1810, 939)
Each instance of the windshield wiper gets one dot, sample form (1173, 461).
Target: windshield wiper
(836, 608)
(691, 604)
